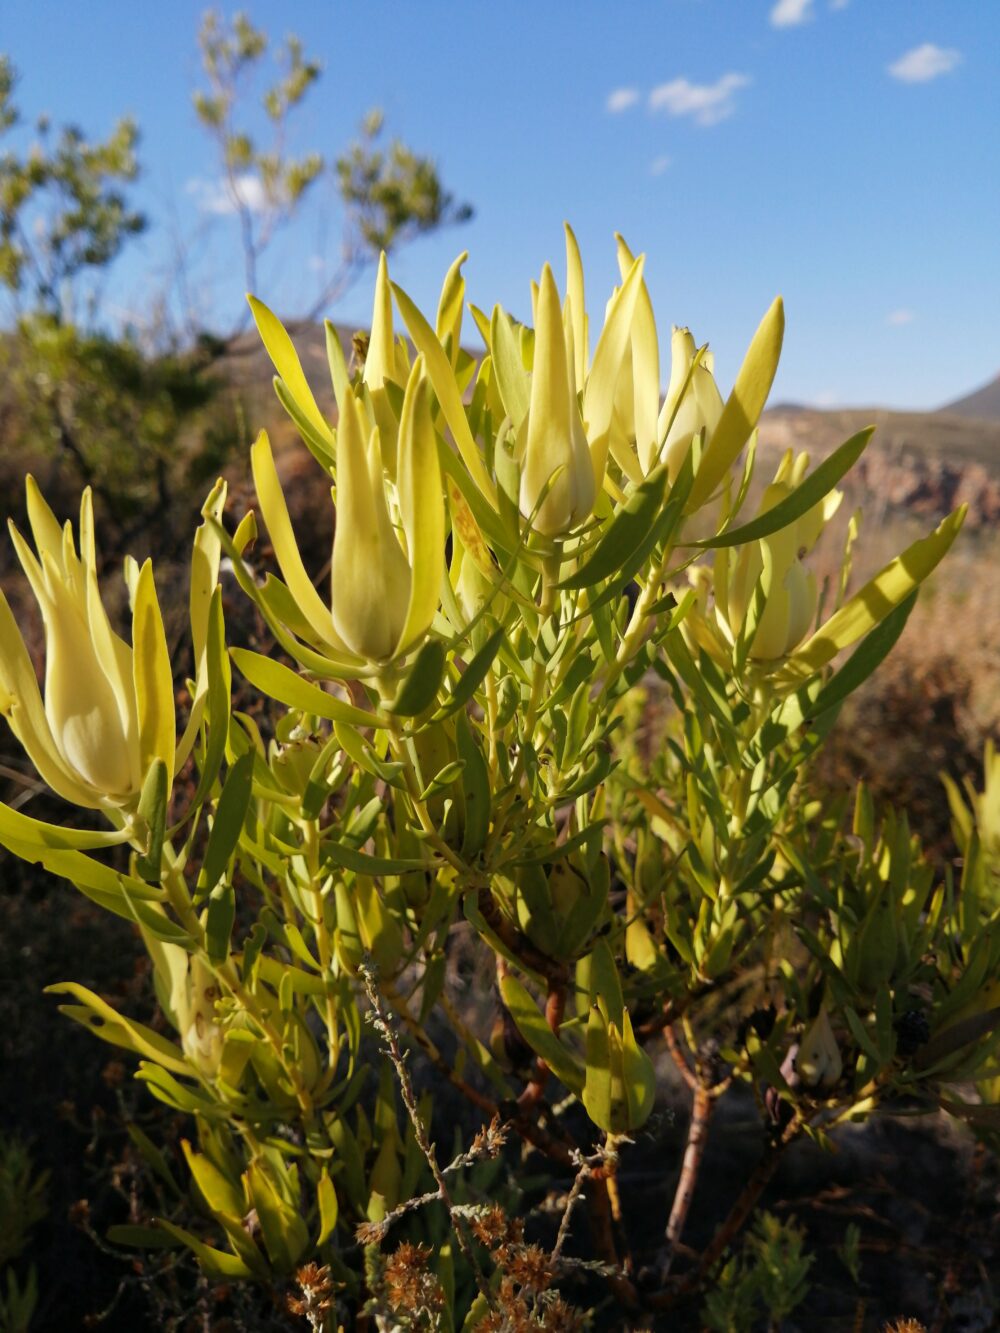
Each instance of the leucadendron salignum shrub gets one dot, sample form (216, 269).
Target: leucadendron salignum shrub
(530, 548)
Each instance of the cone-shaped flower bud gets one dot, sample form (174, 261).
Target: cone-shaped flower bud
(384, 595)
(201, 1035)
(555, 448)
(790, 590)
(818, 1062)
(699, 409)
(108, 709)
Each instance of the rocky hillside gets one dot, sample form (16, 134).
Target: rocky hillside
(925, 463)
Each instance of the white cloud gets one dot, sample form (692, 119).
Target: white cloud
(826, 398)
(659, 165)
(897, 318)
(839, 4)
(924, 63)
(790, 13)
(621, 99)
(216, 196)
(707, 103)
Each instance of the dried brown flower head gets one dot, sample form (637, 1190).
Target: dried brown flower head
(317, 1288)
(371, 1233)
(489, 1140)
(528, 1266)
(410, 1286)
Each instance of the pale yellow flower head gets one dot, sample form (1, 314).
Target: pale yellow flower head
(108, 708)
(555, 452)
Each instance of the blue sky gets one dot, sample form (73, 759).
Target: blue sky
(844, 154)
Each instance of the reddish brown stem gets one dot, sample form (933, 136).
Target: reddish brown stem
(731, 1227)
(518, 943)
(555, 1007)
(697, 1137)
(603, 1231)
(680, 1060)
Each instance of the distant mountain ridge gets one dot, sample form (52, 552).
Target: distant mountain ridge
(983, 404)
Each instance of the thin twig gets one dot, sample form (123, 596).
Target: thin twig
(385, 1029)
(572, 1200)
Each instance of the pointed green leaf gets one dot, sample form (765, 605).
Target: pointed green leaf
(281, 683)
(418, 689)
(227, 823)
(154, 682)
(153, 811)
(816, 485)
(626, 533)
(214, 1263)
(881, 595)
(473, 675)
(421, 499)
(96, 1015)
(326, 1197)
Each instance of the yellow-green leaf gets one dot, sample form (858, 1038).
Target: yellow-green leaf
(421, 501)
(279, 527)
(577, 305)
(215, 1263)
(881, 595)
(599, 398)
(286, 362)
(449, 312)
(154, 682)
(93, 1013)
(446, 389)
(281, 683)
(326, 1197)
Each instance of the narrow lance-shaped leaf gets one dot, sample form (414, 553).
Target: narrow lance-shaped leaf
(153, 812)
(539, 1036)
(449, 311)
(418, 689)
(279, 527)
(599, 396)
(512, 378)
(154, 682)
(577, 304)
(645, 359)
(816, 485)
(626, 532)
(442, 378)
(281, 683)
(227, 823)
(286, 362)
(381, 355)
(421, 499)
(877, 598)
